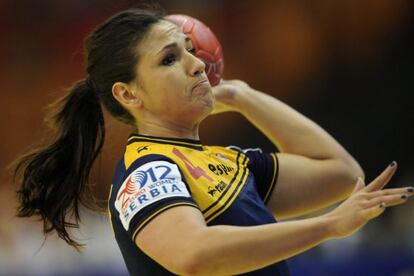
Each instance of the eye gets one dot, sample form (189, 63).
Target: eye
(169, 60)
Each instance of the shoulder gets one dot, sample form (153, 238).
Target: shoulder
(148, 185)
(143, 163)
(138, 153)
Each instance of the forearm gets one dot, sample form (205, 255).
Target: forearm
(291, 131)
(229, 250)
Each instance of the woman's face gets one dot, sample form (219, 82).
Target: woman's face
(172, 83)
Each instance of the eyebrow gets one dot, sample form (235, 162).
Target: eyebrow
(173, 45)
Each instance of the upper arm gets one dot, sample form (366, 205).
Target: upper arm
(167, 238)
(154, 195)
(305, 184)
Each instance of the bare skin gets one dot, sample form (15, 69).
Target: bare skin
(170, 98)
(324, 164)
(227, 250)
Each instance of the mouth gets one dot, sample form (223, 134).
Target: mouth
(202, 83)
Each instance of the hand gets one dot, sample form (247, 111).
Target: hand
(366, 203)
(227, 94)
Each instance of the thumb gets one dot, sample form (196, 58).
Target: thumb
(360, 184)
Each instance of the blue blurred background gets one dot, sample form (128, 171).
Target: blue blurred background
(346, 64)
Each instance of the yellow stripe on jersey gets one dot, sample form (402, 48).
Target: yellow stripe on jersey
(232, 197)
(150, 139)
(273, 182)
(109, 210)
(148, 219)
(232, 191)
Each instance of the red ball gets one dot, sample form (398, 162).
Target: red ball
(206, 45)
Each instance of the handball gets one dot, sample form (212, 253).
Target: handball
(206, 45)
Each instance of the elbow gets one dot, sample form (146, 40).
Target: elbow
(184, 264)
(355, 171)
(195, 264)
(192, 263)
(190, 268)
(351, 171)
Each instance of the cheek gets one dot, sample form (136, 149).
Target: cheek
(174, 83)
(175, 77)
(167, 87)
(169, 91)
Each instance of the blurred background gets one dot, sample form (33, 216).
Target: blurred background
(346, 64)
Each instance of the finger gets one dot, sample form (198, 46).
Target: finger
(389, 200)
(394, 191)
(396, 203)
(381, 180)
(360, 184)
(374, 211)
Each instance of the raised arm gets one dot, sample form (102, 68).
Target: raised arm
(314, 169)
(179, 240)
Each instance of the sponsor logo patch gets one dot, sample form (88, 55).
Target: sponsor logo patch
(220, 187)
(220, 169)
(146, 185)
(142, 148)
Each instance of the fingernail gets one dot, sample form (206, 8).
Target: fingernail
(393, 163)
(410, 190)
(404, 197)
(382, 205)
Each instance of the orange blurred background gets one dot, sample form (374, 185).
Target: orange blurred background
(348, 65)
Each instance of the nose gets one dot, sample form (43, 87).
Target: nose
(197, 66)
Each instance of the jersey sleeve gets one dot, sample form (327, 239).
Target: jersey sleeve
(265, 167)
(149, 188)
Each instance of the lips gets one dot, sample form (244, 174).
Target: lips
(203, 82)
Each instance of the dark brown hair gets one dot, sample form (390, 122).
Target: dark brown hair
(54, 179)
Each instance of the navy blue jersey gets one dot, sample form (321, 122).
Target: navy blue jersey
(229, 186)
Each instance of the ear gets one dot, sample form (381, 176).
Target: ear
(124, 94)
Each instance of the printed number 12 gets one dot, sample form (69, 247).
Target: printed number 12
(164, 175)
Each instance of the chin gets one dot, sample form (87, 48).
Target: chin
(203, 106)
(209, 103)
(203, 110)
(209, 100)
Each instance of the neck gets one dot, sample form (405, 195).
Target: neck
(168, 129)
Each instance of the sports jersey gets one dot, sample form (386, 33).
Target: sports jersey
(229, 186)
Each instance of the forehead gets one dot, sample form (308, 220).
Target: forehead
(160, 35)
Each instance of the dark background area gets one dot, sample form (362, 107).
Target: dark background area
(347, 65)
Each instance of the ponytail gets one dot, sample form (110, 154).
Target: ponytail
(54, 179)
